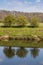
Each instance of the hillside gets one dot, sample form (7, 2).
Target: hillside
(4, 13)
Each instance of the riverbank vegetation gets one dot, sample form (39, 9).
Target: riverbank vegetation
(21, 28)
(21, 31)
(20, 21)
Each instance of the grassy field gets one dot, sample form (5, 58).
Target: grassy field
(21, 31)
(41, 25)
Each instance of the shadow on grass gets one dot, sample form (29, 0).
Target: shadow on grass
(19, 26)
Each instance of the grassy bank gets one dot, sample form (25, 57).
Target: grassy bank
(21, 31)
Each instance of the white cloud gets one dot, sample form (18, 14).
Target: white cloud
(25, 2)
(38, 0)
(25, 6)
(13, 3)
(32, 8)
(19, 3)
(9, 3)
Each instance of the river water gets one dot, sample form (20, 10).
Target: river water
(21, 56)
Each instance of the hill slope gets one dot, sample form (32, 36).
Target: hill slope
(4, 13)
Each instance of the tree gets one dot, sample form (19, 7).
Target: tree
(22, 20)
(21, 52)
(34, 21)
(9, 52)
(8, 20)
(34, 52)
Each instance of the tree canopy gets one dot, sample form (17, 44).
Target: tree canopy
(22, 20)
(34, 21)
(8, 20)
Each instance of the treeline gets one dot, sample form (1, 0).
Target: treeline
(20, 21)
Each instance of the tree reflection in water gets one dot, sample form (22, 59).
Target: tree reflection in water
(21, 52)
(34, 52)
(9, 52)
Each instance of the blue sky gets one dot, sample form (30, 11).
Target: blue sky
(22, 5)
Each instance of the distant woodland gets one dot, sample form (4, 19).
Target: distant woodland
(4, 13)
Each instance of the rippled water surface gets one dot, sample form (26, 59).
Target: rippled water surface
(21, 56)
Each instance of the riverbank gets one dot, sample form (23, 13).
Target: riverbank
(23, 37)
(21, 32)
(24, 33)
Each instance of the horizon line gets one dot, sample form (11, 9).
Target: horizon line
(22, 11)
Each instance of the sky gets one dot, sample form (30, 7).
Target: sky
(22, 5)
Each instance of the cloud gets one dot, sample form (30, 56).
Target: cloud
(38, 0)
(9, 3)
(13, 3)
(26, 6)
(25, 2)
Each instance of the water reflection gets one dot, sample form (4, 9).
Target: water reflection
(34, 52)
(21, 52)
(9, 52)
(21, 56)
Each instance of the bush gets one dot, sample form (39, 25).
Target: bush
(34, 22)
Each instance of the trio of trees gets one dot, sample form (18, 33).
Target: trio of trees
(21, 52)
(11, 20)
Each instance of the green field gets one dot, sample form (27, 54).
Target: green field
(21, 31)
(41, 25)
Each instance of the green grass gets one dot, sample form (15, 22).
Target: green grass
(40, 25)
(21, 31)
